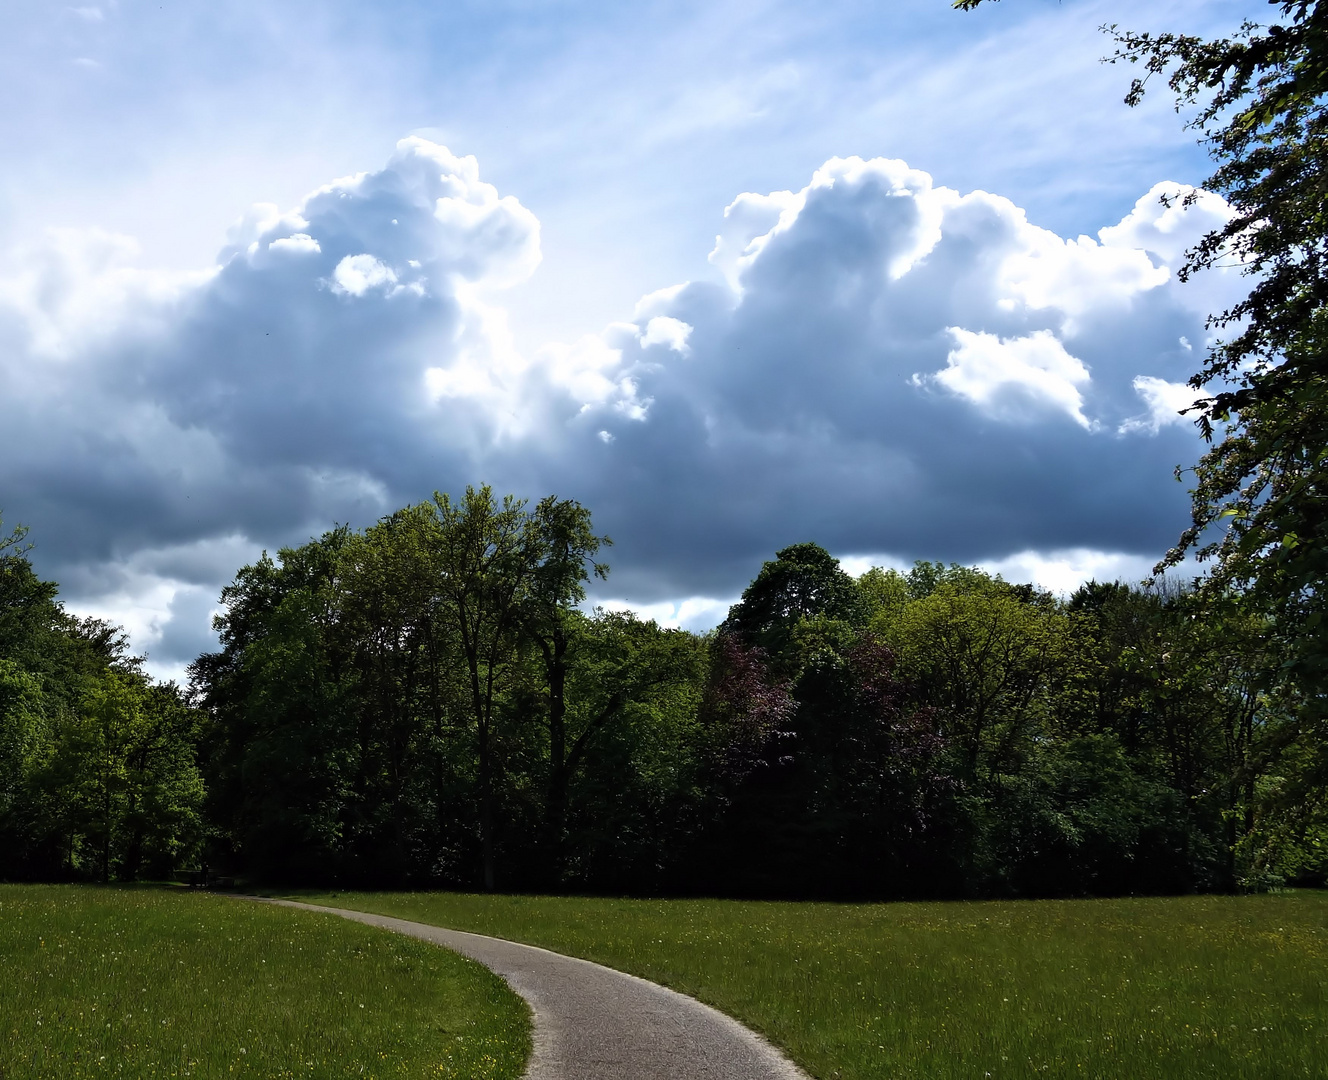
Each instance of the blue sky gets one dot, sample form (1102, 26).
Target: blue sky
(900, 361)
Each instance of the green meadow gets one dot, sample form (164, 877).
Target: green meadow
(1127, 989)
(101, 982)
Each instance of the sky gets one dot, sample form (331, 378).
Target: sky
(882, 275)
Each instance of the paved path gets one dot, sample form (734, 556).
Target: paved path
(594, 1023)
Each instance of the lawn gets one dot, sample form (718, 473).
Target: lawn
(102, 982)
(1127, 989)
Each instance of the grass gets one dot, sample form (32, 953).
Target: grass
(106, 982)
(1230, 987)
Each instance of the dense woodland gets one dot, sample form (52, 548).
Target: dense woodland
(427, 703)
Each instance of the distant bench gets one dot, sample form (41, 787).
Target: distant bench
(205, 879)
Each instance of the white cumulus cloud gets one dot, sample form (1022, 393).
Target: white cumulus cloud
(1062, 572)
(355, 275)
(667, 331)
(301, 244)
(888, 365)
(1166, 403)
(1008, 378)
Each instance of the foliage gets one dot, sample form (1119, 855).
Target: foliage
(423, 701)
(829, 783)
(1262, 488)
(989, 662)
(1260, 101)
(426, 702)
(98, 774)
(631, 780)
(803, 581)
(125, 780)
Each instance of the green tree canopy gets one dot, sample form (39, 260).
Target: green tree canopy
(803, 581)
(1259, 99)
(1260, 503)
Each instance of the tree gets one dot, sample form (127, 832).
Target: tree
(97, 764)
(1260, 99)
(1260, 501)
(987, 659)
(823, 773)
(395, 636)
(13, 543)
(625, 794)
(423, 698)
(281, 750)
(25, 744)
(126, 782)
(484, 557)
(562, 553)
(802, 581)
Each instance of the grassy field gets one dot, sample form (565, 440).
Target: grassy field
(104, 982)
(1130, 989)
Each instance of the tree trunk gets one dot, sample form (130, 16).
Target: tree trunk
(555, 810)
(486, 811)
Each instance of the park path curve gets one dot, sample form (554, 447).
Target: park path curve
(594, 1023)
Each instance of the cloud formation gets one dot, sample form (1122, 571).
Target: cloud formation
(880, 363)
(896, 368)
(277, 392)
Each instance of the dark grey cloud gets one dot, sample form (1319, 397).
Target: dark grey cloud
(888, 367)
(901, 370)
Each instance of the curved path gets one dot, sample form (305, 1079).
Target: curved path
(594, 1023)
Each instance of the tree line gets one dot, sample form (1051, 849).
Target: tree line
(99, 770)
(425, 702)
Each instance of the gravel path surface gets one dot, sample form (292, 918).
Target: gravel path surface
(594, 1023)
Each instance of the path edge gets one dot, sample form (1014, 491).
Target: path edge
(789, 1070)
